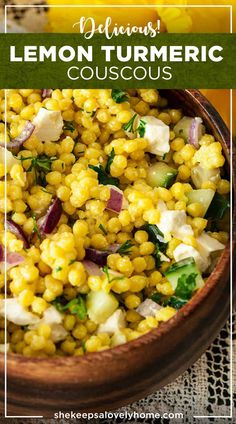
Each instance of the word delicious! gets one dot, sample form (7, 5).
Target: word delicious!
(88, 27)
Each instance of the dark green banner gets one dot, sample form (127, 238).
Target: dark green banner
(71, 61)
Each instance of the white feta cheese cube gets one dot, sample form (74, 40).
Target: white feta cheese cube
(183, 231)
(208, 244)
(16, 313)
(114, 323)
(156, 133)
(10, 159)
(148, 308)
(52, 316)
(48, 125)
(183, 251)
(58, 333)
(171, 221)
(161, 205)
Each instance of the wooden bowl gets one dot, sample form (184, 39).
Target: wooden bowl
(116, 377)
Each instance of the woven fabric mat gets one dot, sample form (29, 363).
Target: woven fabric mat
(204, 389)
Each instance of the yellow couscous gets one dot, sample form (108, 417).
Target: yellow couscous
(115, 206)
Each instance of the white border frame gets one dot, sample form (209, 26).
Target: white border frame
(6, 7)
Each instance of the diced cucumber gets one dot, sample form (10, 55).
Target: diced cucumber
(161, 175)
(186, 266)
(203, 196)
(100, 306)
(219, 206)
(201, 175)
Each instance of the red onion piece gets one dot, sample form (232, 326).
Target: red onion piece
(114, 247)
(19, 233)
(48, 222)
(92, 268)
(115, 202)
(97, 256)
(13, 259)
(22, 137)
(46, 92)
(195, 131)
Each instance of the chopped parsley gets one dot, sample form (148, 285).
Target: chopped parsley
(58, 268)
(103, 229)
(76, 306)
(119, 96)
(141, 128)
(124, 249)
(45, 191)
(156, 297)
(83, 346)
(40, 165)
(35, 227)
(109, 278)
(157, 238)
(110, 160)
(68, 126)
(103, 173)
(103, 177)
(185, 288)
(130, 125)
(72, 261)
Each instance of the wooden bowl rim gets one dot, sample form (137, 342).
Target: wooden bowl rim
(166, 327)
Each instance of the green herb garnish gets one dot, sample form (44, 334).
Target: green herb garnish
(58, 268)
(103, 177)
(46, 191)
(109, 278)
(83, 346)
(41, 165)
(185, 288)
(156, 297)
(175, 302)
(35, 227)
(130, 125)
(76, 306)
(110, 160)
(103, 173)
(68, 126)
(119, 96)
(124, 249)
(103, 229)
(141, 127)
(72, 261)
(157, 238)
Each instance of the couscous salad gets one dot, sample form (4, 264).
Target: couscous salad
(115, 211)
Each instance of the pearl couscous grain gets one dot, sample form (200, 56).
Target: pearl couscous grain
(113, 216)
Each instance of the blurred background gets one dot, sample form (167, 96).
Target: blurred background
(183, 18)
